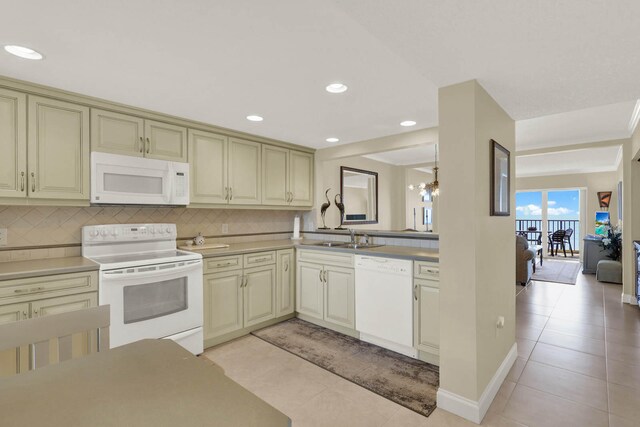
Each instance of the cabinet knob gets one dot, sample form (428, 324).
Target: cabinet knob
(148, 146)
(33, 182)
(22, 181)
(141, 145)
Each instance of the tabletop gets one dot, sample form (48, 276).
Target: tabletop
(145, 383)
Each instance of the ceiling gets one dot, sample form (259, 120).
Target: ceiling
(589, 160)
(218, 62)
(406, 156)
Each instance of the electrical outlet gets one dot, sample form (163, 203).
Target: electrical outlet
(4, 237)
(500, 322)
(225, 228)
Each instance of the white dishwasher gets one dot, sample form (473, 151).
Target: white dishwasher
(384, 302)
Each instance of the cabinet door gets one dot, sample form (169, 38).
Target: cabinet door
(165, 141)
(208, 167)
(13, 361)
(244, 172)
(117, 133)
(339, 296)
(58, 150)
(285, 283)
(275, 174)
(301, 178)
(427, 315)
(13, 144)
(222, 303)
(309, 289)
(259, 294)
(82, 343)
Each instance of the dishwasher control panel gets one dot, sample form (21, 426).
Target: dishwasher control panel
(384, 265)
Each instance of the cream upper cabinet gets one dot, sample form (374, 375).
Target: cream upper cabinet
(132, 136)
(244, 172)
(259, 294)
(13, 144)
(165, 141)
(275, 175)
(208, 167)
(117, 133)
(287, 177)
(58, 150)
(301, 178)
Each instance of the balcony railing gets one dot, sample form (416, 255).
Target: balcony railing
(552, 225)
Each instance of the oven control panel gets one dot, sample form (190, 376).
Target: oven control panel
(113, 233)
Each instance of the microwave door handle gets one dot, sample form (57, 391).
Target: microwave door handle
(168, 197)
(114, 274)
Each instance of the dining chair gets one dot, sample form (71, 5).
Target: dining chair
(39, 332)
(556, 240)
(567, 238)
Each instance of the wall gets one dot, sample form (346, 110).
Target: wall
(413, 199)
(389, 181)
(34, 227)
(477, 251)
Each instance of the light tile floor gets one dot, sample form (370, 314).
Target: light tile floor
(578, 365)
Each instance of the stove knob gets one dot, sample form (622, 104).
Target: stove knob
(93, 233)
(168, 230)
(103, 233)
(114, 232)
(152, 230)
(160, 230)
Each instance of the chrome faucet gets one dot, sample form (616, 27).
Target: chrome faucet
(353, 236)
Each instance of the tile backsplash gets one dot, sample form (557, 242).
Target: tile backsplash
(32, 226)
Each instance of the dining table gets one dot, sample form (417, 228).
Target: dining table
(145, 383)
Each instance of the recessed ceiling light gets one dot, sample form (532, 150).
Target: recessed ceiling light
(332, 140)
(337, 88)
(408, 123)
(23, 52)
(255, 118)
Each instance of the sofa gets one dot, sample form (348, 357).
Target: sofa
(525, 259)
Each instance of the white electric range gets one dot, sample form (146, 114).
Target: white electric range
(155, 290)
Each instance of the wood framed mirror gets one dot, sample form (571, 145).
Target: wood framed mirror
(359, 189)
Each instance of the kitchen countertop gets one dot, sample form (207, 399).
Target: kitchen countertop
(402, 252)
(407, 234)
(45, 267)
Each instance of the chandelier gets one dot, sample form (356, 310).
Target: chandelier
(431, 187)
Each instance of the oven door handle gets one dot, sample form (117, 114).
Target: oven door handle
(122, 272)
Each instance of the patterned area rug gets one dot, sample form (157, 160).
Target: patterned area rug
(557, 271)
(401, 379)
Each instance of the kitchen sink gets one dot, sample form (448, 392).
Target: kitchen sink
(330, 244)
(360, 245)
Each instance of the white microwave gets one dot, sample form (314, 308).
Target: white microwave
(129, 180)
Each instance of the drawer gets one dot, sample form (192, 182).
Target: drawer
(35, 288)
(426, 270)
(326, 257)
(220, 264)
(259, 258)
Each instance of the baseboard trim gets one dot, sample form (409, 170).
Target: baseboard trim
(629, 299)
(470, 409)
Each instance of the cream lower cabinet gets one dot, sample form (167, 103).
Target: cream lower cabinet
(44, 296)
(427, 309)
(245, 292)
(285, 282)
(133, 136)
(325, 291)
(287, 177)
